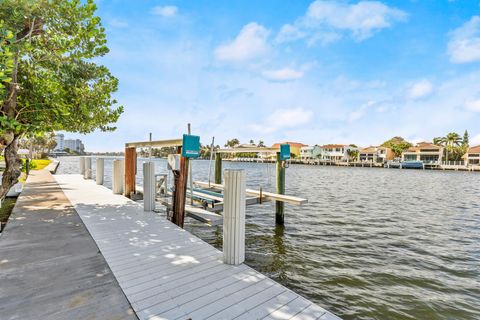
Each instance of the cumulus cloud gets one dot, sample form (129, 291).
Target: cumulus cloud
(328, 21)
(473, 105)
(464, 44)
(250, 43)
(420, 89)
(284, 119)
(284, 74)
(165, 11)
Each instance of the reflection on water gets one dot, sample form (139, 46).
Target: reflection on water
(370, 243)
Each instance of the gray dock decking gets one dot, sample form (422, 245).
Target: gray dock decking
(168, 273)
(50, 267)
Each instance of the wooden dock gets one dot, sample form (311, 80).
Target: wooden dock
(168, 273)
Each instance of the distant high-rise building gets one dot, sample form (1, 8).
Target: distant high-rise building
(74, 145)
(59, 139)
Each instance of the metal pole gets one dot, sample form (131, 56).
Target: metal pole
(150, 147)
(210, 162)
(190, 172)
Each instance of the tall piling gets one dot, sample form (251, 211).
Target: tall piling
(234, 217)
(88, 168)
(179, 195)
(100, 170)
(279, 205)
(218, 168)
(149, 186)
(130, 171)
(81, 161)
(118, 176)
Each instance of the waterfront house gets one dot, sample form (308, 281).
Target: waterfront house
(294, 147)
(424, 151)
(336, 152)
(376, 154)
(472, 157)
(310, 152)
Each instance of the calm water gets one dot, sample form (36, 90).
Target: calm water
(370, 243)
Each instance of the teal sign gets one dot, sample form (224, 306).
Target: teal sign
(191, 146)
(284, 151)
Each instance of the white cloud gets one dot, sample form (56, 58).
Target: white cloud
(284, 74)
(360, 112)
(284, 119)
(464, 44)
(165, 11)
(473, 105)
(420, 89)
(326, 21)
(250, 43)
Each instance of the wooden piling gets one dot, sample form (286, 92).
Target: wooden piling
(179, 195)
(279, 206)
(130, 170)
(149, 186)
(82, 165)
(218, 168)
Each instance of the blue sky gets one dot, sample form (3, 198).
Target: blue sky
(309, 71)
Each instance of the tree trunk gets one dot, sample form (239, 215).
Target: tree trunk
(13, 166)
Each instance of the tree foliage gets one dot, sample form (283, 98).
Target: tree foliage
(398, 145)
(48, 72)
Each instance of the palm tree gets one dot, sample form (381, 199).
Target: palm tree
(450, 141)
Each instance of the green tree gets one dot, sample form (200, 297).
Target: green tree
(49, 80)
(398, 145)
(232, 143)
(466, 138)
(450, 142)
(261, 144)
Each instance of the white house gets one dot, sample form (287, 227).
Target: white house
(336, 152)
(310, 152)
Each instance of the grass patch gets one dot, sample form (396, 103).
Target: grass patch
(6, 210)
(41, 163)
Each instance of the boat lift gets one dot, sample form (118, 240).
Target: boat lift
(206, 199)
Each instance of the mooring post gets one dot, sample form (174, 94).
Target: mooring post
(130, 171)
(100, 169)
(234, 217)
(88, 168)
(118, 175)
(279, 205)
(218, 168)
(179, 195)
(82, 165)
(149, 186)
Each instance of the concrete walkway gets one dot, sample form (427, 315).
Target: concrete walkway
(50, 267)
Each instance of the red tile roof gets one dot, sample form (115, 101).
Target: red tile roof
(293, 144)
(475, 149)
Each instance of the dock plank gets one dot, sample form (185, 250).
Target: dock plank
(168, 273)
